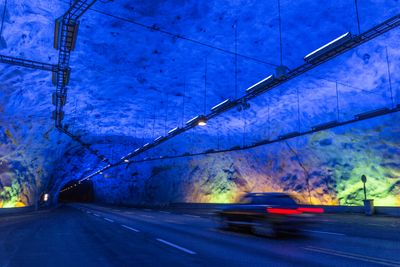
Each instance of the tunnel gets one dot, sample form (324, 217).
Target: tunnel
(199, 133)
(71, 193)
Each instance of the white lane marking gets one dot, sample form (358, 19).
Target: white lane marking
(95, 214)
(130, 228)
(146, 216)
(353, 256)
(166, 212)
(193, 216)
(323, 232)
(176, 246)
(109, 220)
(174, 221)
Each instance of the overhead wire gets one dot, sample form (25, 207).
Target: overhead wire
(155, 28)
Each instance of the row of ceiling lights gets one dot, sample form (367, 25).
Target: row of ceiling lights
(201, 120)
(318, 56)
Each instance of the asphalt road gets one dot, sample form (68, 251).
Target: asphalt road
(90, 235)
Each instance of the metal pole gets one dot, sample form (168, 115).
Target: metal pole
(358, 17)
(166, 114)
(337, 101)
(268, 119)
(217, 140)
(365, 192)
(244, 129)
(205, 85)
(280, 32)
(390, 78)
(144, 128)
(2, 19)
(236, 63)
(298, 109)
(183, 101)
(154, 121)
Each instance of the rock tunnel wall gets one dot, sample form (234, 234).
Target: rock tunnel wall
(164, 71)
(26, 165)
(321, 168)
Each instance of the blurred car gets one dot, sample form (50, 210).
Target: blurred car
(267, 214)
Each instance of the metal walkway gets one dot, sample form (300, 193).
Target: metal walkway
(65, 34)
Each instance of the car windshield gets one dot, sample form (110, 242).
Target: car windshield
(281, 200)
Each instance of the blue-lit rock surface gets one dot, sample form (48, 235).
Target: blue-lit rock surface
(131, 84)
(323, 168)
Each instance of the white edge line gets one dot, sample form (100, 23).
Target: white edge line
(146, 216)
(353, 256)
(130, 228)
(108, 219)
(193, 216)
(323, 232)
(95, 214)
(176, 246)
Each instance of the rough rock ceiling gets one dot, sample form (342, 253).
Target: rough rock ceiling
(132, 67)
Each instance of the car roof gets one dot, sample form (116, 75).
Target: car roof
(266, 194)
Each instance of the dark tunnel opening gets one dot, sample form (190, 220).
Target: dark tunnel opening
(77, 192)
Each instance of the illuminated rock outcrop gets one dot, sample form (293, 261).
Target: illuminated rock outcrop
(142, 68)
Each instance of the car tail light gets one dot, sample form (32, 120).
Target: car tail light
(311, 210)
(283, 211)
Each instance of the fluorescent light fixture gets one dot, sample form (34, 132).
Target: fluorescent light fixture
(46, 197)
(261, 83)
(146, 144)
(100, 172)
(173, 130)
(288, 135)
(202, 122)
(192, 120)
(137, 149)
(323, 126)
(221, 105)
(158, 138)
(338, 41)
(372, 113)
(126, 160)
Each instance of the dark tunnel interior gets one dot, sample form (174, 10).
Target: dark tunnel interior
(82, 193)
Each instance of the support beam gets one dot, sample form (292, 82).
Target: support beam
(263, 87)
(260, 143)
(28, 63)
(85, 145)
(329, 55)
(65, 34)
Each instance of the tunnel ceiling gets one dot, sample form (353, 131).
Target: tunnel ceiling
(138, 63)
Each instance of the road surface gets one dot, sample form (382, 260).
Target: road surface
(92, 235)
